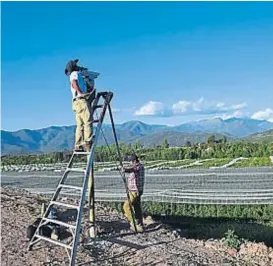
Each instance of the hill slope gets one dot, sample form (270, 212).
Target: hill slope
(238, 127)
(176, 138)
(140, 129)
(59, 138)
(51, 139)
(264, 136)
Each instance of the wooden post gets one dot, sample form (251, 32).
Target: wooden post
(91, 203)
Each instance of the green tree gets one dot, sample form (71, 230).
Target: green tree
(188, 143)
(165, 144)
(138, 145)
(211, 139)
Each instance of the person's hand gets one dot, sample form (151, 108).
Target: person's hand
(86, 95)
(122, 169)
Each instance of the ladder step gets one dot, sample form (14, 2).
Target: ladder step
(78, 170)
(98, 106)
(82, 152)
(53, 241)
(71, 187)
(103, 93)
(64, 204)
(95, 121)
(59, 223)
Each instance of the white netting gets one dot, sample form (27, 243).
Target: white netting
(204, 186)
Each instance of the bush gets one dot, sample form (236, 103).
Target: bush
(232, 240)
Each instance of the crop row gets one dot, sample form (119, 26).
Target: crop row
(187, 163)
(259, 212)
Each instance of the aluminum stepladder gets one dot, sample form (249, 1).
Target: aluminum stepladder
(75, 229)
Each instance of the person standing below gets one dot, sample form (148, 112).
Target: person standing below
(136, 187)
(80, 106)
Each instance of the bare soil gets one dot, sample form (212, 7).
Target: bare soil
(117, 245)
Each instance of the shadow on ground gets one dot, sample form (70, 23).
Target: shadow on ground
(207, 228)
(129, 247)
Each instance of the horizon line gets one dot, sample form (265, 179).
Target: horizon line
(219, 118)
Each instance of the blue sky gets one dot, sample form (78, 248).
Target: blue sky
(166, 62)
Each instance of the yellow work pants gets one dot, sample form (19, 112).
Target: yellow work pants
(136, 204)
(84, 126)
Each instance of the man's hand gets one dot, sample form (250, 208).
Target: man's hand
(86, 94)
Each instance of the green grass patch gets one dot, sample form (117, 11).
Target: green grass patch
(257, 212)
(252, 222)
(253, 162)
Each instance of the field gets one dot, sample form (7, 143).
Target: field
(194, 186)
(157, 165)
(192, 242)
(221, 199)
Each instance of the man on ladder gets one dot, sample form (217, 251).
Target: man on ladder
(81, 106)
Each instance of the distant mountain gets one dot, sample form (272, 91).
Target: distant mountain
(60, 138)
(238, 127)
(176, 138)
(52, 139)
(264, 136)
(140, 128)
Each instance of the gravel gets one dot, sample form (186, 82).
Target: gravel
(117, 244)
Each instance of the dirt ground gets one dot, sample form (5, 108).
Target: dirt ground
(117, 245)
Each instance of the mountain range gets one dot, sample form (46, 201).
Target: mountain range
(59, 138)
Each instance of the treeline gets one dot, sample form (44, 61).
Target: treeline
(211, 149)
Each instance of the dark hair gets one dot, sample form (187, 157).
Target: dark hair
(71, 66)
(133, 157)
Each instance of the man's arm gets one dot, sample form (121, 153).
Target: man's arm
(75, 84)
(131, 169)
(76, 87)
(128, 169)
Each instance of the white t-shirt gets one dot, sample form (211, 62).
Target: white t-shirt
(75, 75)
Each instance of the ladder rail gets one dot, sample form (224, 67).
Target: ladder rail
(87, 173)
(54, 197)
(120, 162)
(57, 191)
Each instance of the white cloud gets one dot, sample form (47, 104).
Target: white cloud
(203, 106)
(266, 114)
(199, 105)
(153, 109)
(239, 106)
(181, 107)
(237, 114)
(184, 107)
(220, 105)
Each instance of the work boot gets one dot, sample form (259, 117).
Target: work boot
(78, 148)
(87, 147)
